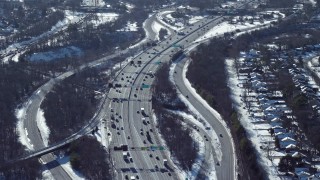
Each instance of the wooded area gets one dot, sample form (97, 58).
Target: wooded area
(177, 137)
(89, 157)
(73, 103)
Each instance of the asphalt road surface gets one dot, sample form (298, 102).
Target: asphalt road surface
(129, 126)
(33, 103)
(226, 169)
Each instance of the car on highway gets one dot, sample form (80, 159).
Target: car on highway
(156, 167)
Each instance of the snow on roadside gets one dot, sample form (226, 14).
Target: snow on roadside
(21, 131)
(196, 167)
(211, 171)
(213, 135)
(64, 161)
(244, 117)
(199, 122)
(16, 57)
(46, 175)
(156, 27)
(195, 19)
(147, 34)
(101, 134)
(161, 19)
(204, 102)
(181, 173)
(43, 128)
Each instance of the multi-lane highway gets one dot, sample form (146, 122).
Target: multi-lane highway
(128, 124)
(123, 111)
(32, 106)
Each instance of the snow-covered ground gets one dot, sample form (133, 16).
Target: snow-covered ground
(102, 134)
(166, 18)
(240, 28)
(199, 121)
(216, 31)
(181, 174)
(43, 128)
(70, 18)
(195, 19)
(210, 171)
(246, 121)
(131, 26)
(70, 51)
(64, 161)
(103, 18)
(22, 132)
(97, 3)
(46, 175)
(226, 27)
(314, 65)
(147, 35)
(156, 27)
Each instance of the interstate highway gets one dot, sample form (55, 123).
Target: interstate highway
(133, 100)
(33, 103)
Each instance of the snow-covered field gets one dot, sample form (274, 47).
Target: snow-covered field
(70, 18)
(103, 18)
(70, 51)
(166, 18)
(226, 27)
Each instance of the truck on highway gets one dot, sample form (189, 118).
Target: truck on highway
(143, 112)
(126, 156)
(165, 162)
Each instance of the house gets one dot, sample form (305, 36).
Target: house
(302, 173)
(298, 154)
(279, 130)
(262, 90)
(291, 147)
(276, 122)
(287, 141)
